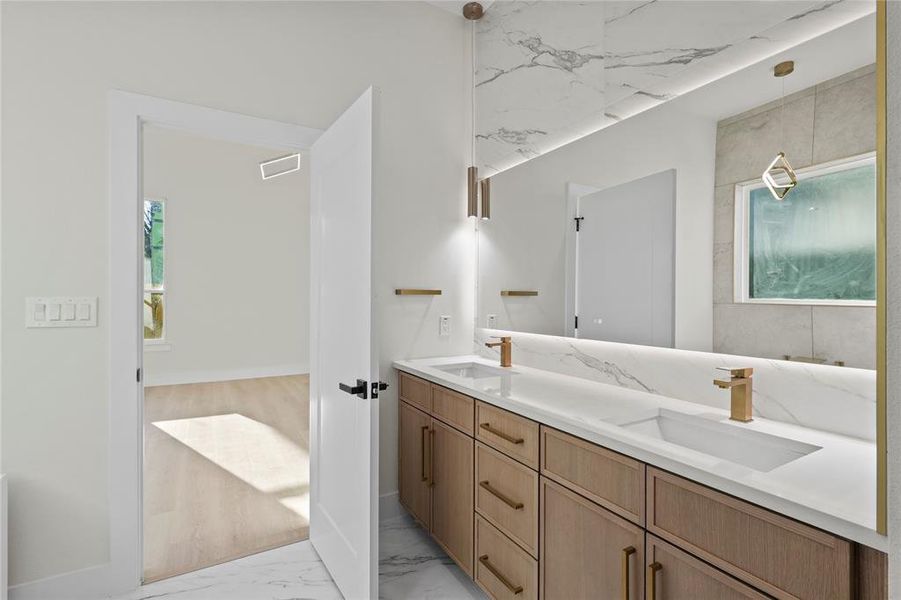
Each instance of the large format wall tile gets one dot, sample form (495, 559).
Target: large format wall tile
(550, 72)
(839, 131)
(765, 330)
(745, 148)
(845, 333)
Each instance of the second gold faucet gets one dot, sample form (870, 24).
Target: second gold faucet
(506, 345)
(742, 392)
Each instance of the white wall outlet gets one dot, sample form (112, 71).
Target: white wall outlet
(492, 322)
(444, 325)
(61, 311)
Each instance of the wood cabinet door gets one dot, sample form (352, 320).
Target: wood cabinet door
(452, 487)
(672, 574)
(587, 552)
(415, 463)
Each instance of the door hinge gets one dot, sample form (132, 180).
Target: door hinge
(578, 221)
(138, 375)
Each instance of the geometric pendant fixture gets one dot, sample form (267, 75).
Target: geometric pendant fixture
(780, 177)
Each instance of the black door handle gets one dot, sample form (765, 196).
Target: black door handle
(358, 390)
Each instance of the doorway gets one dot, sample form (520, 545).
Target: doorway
(226, 351)
(623, 261)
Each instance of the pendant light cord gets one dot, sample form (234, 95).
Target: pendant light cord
(472, 91)
(782, 116)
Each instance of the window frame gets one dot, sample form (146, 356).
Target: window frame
(162, 342)
(741, 243)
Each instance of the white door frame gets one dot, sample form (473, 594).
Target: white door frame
(127, 114)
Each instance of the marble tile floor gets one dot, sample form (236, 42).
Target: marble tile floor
(411, 566)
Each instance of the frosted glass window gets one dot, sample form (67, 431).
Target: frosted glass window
(154, 269)
(819, 243)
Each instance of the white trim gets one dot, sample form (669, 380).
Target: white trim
(127, 114)
(574, 191)
(224, 375)
(740, 244)
(4, 538)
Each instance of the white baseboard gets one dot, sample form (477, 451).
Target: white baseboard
(93, 583)
(390, 507)
(152, 379)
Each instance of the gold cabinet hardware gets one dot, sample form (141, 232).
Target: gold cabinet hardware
(519, 292)
(651, 582)
(485, 485)
(422, 453)
(514, 589)
(431, 458)
(416, 292)
(627, 554)
(506, 437)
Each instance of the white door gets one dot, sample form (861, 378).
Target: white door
(625, 288)
(344, 448)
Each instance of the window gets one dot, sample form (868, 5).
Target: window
(818, 246)
(154, 270)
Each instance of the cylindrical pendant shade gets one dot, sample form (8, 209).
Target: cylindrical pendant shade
(486, 198)
(472, 191)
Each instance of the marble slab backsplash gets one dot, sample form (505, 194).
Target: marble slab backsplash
(837, 399)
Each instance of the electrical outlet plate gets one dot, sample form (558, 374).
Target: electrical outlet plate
(492, 322)
(444, 325)
(61, 311)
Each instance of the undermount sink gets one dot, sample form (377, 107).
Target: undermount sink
(473, 370)
(759, 451)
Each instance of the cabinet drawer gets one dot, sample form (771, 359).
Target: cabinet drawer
(511, 434)
(780, 556)
(507, 496)
(502, 568)
(453, 408)
(414, 390)
(676, 575)
(612, 480)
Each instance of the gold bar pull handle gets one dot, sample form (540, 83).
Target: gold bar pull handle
(422, 454)
(514, 589)
(626, 576)
(485, 485)
(431, 458)
(506, 437)
(651, 582)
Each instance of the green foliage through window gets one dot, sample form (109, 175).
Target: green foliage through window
(817, 244)
(154, 268)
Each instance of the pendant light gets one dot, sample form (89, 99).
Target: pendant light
(472, 12)
(780, 177)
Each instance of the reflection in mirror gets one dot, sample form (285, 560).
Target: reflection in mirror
(659, 229)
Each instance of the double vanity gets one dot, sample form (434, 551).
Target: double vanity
(544, 485)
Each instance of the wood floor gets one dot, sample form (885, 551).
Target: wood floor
(226, 471)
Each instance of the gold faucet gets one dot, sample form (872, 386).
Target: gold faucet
(740, 384)
(506, 345)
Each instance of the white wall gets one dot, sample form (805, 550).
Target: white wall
(237, 261)
(523, 247)
(300, 62)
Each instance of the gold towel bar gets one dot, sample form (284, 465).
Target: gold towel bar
(415, 292)
(519, 292)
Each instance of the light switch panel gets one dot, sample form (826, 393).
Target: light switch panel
(444, 326)
(491, 322)
(61, 311)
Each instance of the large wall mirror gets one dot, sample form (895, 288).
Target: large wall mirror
(661, 229)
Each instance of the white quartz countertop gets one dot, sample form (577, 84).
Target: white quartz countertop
(832, 488)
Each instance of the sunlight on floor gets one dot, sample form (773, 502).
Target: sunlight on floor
(252, 451)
